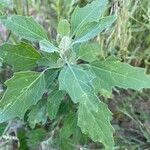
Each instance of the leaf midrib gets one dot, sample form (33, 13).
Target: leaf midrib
(77, 80)
(104, 70)
(31, 58)
(27, 29)
(13, 103)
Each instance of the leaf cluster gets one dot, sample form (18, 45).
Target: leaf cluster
(63, 76)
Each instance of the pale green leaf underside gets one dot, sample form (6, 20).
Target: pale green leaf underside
(47, 46)
(96, 124)
(25, 27)
(89, 13)
(54, 100)
(24, 89)
(22, 56)
(92, 29)
(111, 72)
(93, 116)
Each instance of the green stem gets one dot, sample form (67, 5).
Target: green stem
(27, 7)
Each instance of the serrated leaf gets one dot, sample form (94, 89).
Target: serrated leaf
(63, 28)
(22, 56)
(96, 124)
(88, 52)
(92, 29)
(25, 27)
(81, 91)
(79, 81)
(54, 100)
(24, 89)
(37, 114)
(111, 72)
(89, 13)
(47, 46)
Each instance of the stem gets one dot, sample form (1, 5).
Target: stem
(58, 10)
(9, 34)
(27, 7)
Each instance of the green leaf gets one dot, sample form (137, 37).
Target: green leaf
(51, 60)
(6, 3)
(69, 126)
(25, 27)
(50, 76)
(88, 52)
(54, 100)
(2, 18)
(77, 83)
(2, 128)
(63, 28)
(24, 89)
(70, 134)
(37, 114)
(96, 123)
(35, 137)
(64, 44)
(47, 46)
(22, 56)
(92, 29)
(21, 135)
(89, 13)
(111, 72)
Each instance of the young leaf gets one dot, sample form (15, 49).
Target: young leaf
(54, 100)
(64, 44)
(96, 124)
(25, 27)
(111, 72)
(92, 29)
(63, 28)
(22, 56)
(37, 114)
(24, 89)
(88, 52)
(47, 46)
(89, 13)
